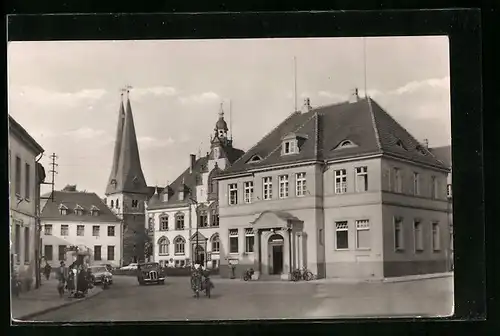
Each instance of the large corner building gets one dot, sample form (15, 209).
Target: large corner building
(126, 190)
(343, 190)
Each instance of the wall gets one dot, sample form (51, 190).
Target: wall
(351, 206)
(87, 239)
(23, 208)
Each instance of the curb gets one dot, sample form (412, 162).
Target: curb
(29, 316)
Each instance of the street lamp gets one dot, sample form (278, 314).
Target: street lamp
(196, 246)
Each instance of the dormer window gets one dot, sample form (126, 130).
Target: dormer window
(421, 150)
(113, 183)
(165, 197)
(63, 210)
(255, 158)
(346, 143)
(290, 147)
(78, 210)
(135, 204)
(94, 211)
(400, 144)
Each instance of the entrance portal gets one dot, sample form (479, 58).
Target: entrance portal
(275, 254)
(200, 255)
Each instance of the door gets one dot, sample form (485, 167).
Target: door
(277, 259)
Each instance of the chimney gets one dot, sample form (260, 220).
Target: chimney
(192, 160)
(307, 105)
(426, 143)
(354, 96)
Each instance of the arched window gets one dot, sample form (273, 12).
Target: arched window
(346, 143)
(215, 243)
(163, 245)
(214, 214)
(180, 245)
(112, 204)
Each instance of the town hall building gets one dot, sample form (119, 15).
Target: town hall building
(184, 217)
(342, 190)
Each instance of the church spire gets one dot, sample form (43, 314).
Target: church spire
(118, 145)
(126, 175)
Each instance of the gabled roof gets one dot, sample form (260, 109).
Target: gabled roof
(70, 200)
(24, 136)
(322, 129)
(443, 154)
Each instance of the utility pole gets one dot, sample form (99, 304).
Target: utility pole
(53, 170)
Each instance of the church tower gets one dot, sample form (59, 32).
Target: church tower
(220, 144)
(127, 190)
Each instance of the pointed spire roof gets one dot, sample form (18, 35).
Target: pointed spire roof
(126, 174)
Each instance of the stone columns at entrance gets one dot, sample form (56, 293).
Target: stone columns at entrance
(256, 254)
(287, 269)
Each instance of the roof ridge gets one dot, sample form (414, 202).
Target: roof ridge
(294, 131)
(374, 123)
(267, 135)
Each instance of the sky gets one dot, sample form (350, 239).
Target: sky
(66, 94)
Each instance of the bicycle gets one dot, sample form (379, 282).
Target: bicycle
(302, 274)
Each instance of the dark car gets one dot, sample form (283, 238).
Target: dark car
(150, 272)
(99, 272)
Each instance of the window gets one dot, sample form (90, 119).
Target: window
(48, 252)
(64, 230)
(436, 237)
(340, 181)
(434, 187)
(18, 176)
(179, 243)
(47, 229)
(398, 182)
(300, 186)
(165, 197)
(267, 188)
(416, 184)
(346, 143)
(163, 223)
(179, 221)
(363, 234)
(418, 235)
(320, 237)
(341, 235)
(117, 204)
(398, 234)
(63, 210)
(448, 190)
(215, 244)
(361, 179)
(27, 181)
(112, 204)
(163, 246)
(27, 244)
(96, 230)
(249, 240)
(62, 253)
(233, 241)
(17, 245)
(111, 232)
(248, 191)
(135, 204)
(151, 224)
(80, 230)
(111, 252)
(97, 252)
(203, 219)
(233, 194)
(215, 218)
(94, 211)
(283, 183)
(290, 147)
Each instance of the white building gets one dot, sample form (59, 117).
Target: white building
(74, 218)
(25, 176)
(174, 213)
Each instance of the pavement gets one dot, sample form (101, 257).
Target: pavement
(43, 300)
(240, 300)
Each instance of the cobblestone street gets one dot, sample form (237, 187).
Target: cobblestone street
(127, 301)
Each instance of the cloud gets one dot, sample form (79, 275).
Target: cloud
(149, 142)
(437, 83)
(39, 96)
(200, 98)
(84, 133)
(154, 91)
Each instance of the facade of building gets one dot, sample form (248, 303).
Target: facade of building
(25, 176)
(443, 153)
(184, 217)
(74, 219)
(127, 191)
(342, 190)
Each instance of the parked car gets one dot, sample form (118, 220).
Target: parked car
(150, 272)
(99, 272)
(129, 267)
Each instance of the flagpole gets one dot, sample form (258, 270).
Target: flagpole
(295, 82)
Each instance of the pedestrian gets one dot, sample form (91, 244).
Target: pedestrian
(46, 270)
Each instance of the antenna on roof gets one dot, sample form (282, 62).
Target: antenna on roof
(295, 83)
(364, 63)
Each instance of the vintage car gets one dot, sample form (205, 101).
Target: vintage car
(150, 272)
(99, 272)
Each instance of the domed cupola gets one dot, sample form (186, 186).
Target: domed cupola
(221, 125)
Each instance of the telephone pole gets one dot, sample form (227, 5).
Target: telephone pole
(53, 171)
